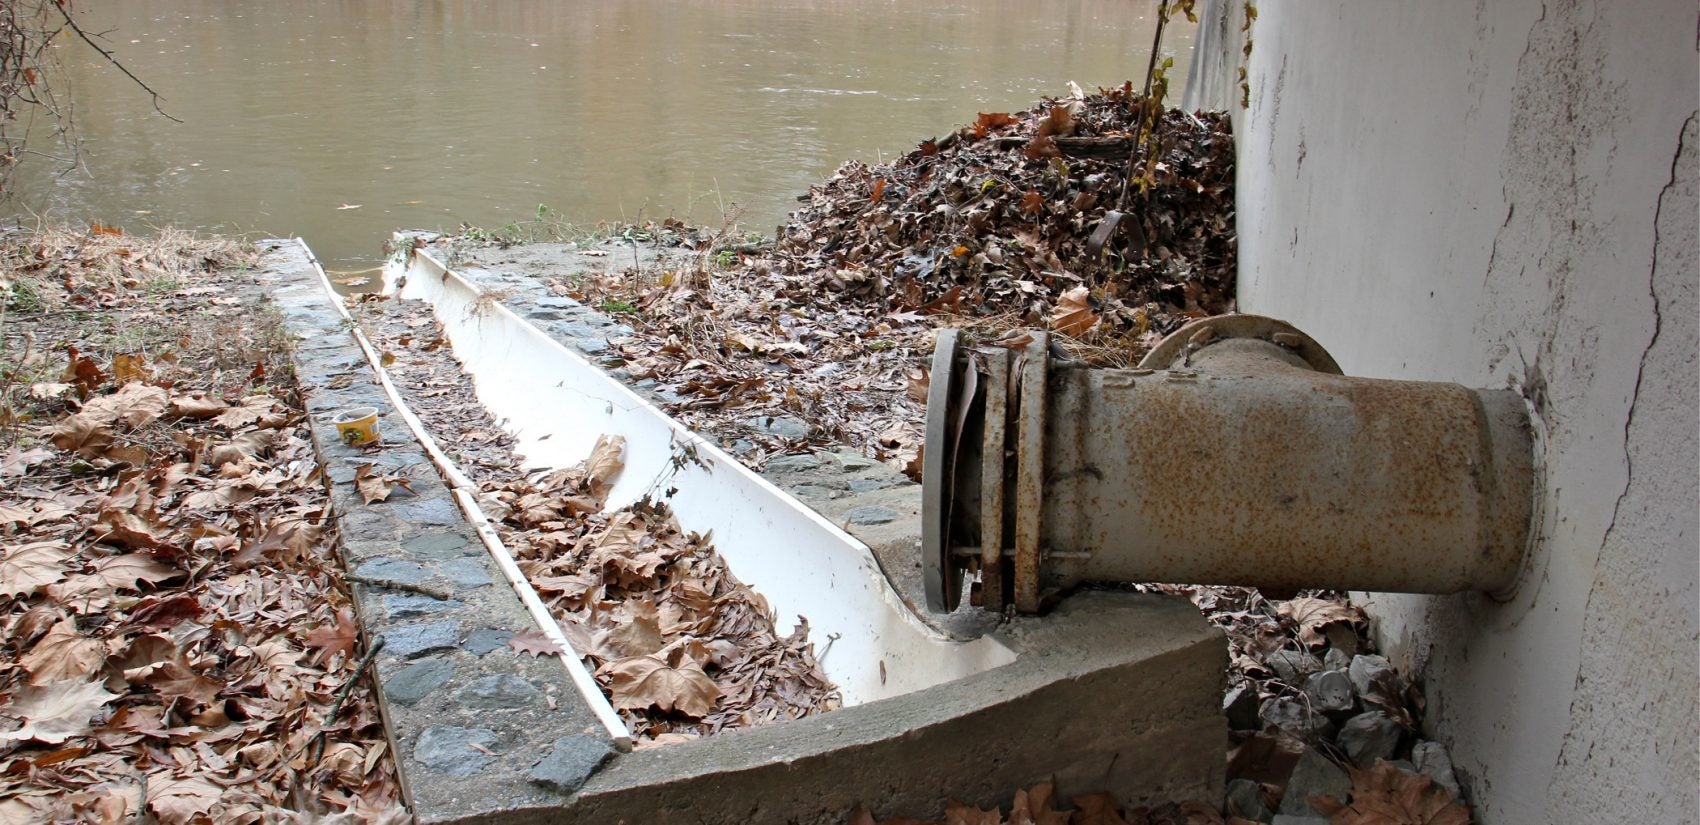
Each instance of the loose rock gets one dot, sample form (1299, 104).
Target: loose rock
(1368, 737)
(1432, 759)
(1314, 775)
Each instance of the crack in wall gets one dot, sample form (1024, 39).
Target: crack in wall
(1634, 401)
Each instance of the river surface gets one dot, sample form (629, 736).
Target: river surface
(341, 121)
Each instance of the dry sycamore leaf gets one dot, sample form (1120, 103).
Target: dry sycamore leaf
(179, 800)
(533, 641)
(1073, 315)
(606, 460)
(26, 569)
(339, 636)
(957, 813)
(674, 683)
(134, 404)
(122, 572)
(49, 390)
(15, 462)
(56, 711)
(1386, 795)
(63, 655)
(249, 411)
(82, 434)
(1313, 616)
(197, 406)
(374, 487)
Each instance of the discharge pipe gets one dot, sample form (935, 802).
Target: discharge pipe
(1236, 453)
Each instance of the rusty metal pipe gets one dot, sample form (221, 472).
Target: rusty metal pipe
(1236, 454)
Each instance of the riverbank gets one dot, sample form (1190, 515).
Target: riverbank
(178, 640)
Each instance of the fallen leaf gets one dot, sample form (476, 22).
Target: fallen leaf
(123, 572)
(135, 404)
(85, 435)
(178, 800)
(1096, 809)
(374, 487)
(127, 367)
(25, 569)
(606, 460)
(1386, 795)
(1073, 315)
(533, 641)
(199, 405)
(1311, 617)
(674, 683)
(338, 636)
(957, 813)
(250, 410)
(64, 654)
(56, 711)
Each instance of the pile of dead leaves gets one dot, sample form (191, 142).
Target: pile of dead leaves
(989, 228)
(173, 636)
(678, 644)
(998, 218)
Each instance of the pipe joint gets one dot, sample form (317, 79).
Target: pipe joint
(1236, 453)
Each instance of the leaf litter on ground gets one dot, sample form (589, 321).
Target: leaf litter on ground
(173, 626)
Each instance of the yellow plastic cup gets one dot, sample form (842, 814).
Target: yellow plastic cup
(357, 427)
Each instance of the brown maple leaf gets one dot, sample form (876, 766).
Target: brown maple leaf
(164, 612)
(1073, 315)
(1386, 795)
(374, 487)
(1033, 807)
(1311, 617)
(339, 636)
(533, 641)
(123, 572)
(670, 681)
(25, 569)
(606, 460)
(56, 711)
(64, 654)
(84, 435)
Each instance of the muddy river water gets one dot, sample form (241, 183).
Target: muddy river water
(340, 121)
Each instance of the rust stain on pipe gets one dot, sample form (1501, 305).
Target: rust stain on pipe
(1254, 463)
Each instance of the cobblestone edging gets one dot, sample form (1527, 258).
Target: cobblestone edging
(867, 499)
(476, 726)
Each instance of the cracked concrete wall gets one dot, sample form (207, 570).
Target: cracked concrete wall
(1504, 195)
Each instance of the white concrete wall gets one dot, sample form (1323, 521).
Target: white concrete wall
(1504, 195)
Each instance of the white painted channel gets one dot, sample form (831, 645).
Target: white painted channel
(556, 404)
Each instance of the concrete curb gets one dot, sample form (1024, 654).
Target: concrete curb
(476, 727)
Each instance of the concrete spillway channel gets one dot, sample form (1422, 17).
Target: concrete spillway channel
(1109, 691)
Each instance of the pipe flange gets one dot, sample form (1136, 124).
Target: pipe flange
(936, 568)
(1203, 332)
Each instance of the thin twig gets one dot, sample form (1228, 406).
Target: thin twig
(1144, 101)
(343, 694)
(393, 584)
(65, 10)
